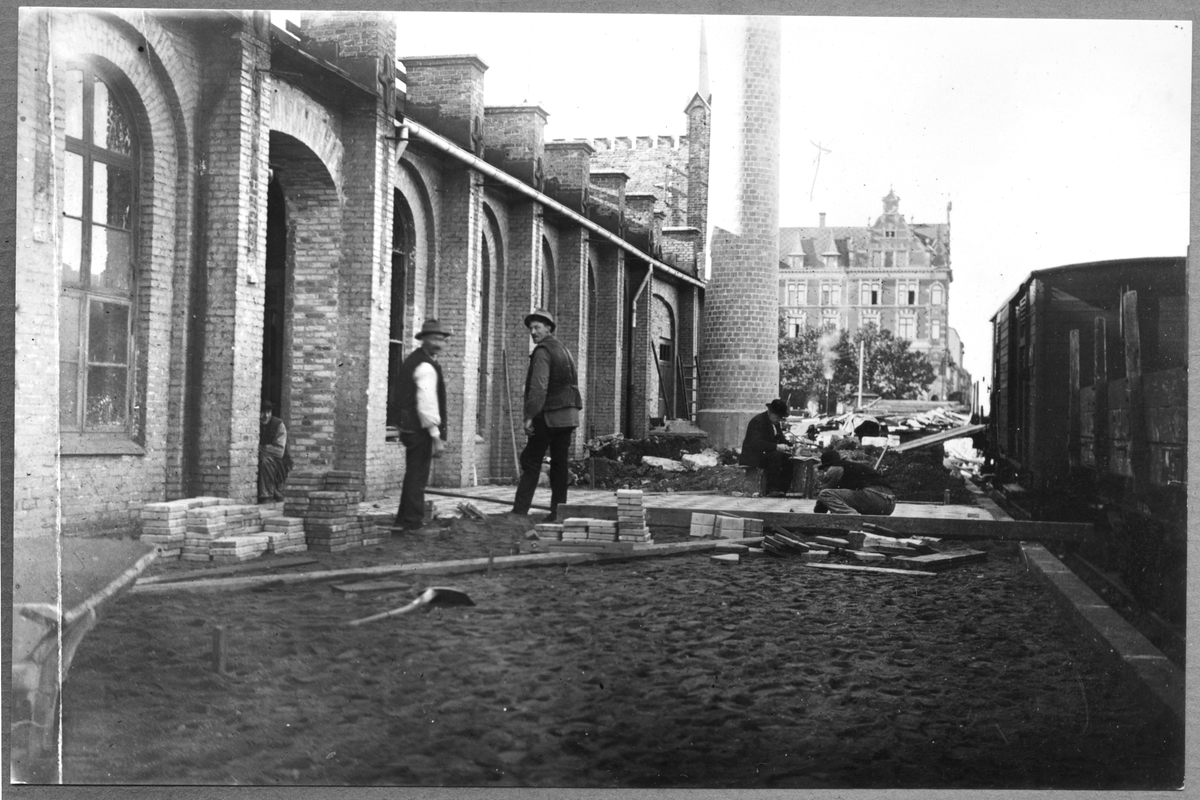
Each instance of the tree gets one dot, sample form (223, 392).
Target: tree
(891, 368)
(807, 361)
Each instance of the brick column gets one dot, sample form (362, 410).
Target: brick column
(459, 241)
(571, 314)
(640, 365)
(236, 249)
(740, 334)
(608, 401)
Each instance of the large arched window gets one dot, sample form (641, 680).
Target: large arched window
(99, 217)
(403, 241)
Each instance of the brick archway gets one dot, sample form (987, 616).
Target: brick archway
(298, 116)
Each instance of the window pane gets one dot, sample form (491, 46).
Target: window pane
(74, 103)
(111, 129)
(110, 260)
(72, 250)
(108, 334)
(68, 394)
(112, 195)
(68, 327)
(106, 397)
(73, 185)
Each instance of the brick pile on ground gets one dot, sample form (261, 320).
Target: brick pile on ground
(873, 546)
(285, 534)
(724, 526)
(202, 529)
(631, 517)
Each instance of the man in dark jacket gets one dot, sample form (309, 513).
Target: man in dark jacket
(851, 488)
(274, 460)
(422, 395)
(766, 446)
(552, 403)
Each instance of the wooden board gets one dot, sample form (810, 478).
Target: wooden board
(852, 568)
(961, 529)
(941, 561)
(257, 566)
(364, 587)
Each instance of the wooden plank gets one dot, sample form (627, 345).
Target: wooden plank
(1100, 395)
(1138, 450)
(941, 561)
(1074, 421)
(363, 587)
(962, 529)
(853, 568)
(938, 438)
(254, 566)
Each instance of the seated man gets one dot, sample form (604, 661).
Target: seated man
(851, 488)
(274, 460)
(766, 447)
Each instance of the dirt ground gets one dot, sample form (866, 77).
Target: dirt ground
(669, 672)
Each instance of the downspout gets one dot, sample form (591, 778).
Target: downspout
(410, 129)
(631, 350)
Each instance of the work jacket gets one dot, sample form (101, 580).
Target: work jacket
(762, 436)
(551, 361)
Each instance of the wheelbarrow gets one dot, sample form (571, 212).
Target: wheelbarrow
(57, 588)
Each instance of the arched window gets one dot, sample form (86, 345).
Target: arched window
(485, 292)
(99, 217)
(937, 295)
(403, 242)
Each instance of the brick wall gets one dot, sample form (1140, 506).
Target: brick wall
(607, 402)
(515, 133)
(655, 165)
(446, 93)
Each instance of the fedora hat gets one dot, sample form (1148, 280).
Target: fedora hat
(542, 314)
(778, 407)
(431, 326)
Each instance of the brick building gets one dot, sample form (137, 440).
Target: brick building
(893, 274)
(212, 210)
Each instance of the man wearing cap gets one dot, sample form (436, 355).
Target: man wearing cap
(552, 403)
(848, 487)
(274, 460)
(766, 447)
(422, 396)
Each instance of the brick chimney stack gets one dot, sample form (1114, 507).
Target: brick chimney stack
(514, 140)
(445, 93)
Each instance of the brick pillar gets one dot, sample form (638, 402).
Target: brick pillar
(568, 172)
(640, 365)
(524, 250)
(608, 400)
(740, 334)
(458, 308)
(699, 114)
(572, 313)
(513, 141)
(446, 94)
(235, 233)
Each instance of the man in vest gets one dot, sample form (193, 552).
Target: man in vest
(552, 403)
(274, 460)
(422, 394)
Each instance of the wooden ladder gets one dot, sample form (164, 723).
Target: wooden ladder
(689, 383)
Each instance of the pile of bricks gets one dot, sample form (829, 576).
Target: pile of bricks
(204, 524)
(285, 535)
(722, 526)
(631, 517)
(233, 549)
(300, 483)
(331, 524)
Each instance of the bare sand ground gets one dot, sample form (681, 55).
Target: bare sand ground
(673, 672)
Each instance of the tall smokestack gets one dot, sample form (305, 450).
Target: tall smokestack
(822, 219)
(740, 345)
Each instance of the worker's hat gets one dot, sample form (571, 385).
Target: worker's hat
(542, 314)
(431, 326)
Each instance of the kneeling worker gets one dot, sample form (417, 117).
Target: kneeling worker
(766, 446)
(851, 488)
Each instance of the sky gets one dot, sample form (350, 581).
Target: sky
(1057, 141)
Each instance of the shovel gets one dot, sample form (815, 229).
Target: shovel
(433, 596)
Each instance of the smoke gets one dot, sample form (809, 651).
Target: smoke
(827, 342)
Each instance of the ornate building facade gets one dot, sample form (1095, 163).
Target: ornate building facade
(893, 274)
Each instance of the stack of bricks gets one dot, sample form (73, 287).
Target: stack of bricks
(725, 527)
(285, 534)
(602, 530)
(300, 484)
(341, 480)
(575, 529)
(631, 517)
(204, 524)
(551, 531)
(164, 525)
(330, 522)
(233, 549)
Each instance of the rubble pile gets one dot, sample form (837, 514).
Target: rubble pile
(873, 546)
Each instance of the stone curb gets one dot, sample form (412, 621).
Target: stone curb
(1108, 630)
(458, 567)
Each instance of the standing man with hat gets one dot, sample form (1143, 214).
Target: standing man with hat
(422, 393)
(766, 446)
(552, 403)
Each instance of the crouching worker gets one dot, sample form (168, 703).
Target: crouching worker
(851, 488)
(274, 460)
(766, 447)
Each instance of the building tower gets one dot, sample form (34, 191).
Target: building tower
(739, 362)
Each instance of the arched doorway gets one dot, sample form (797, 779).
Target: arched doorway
(662, 338)
(274, 341)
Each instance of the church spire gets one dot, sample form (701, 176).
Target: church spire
(702, 88)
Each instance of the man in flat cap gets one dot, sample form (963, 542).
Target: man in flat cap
(848, 487)
(552, 403)
(766, 447)
(422, 396)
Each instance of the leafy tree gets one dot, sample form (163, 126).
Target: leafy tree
(891, 370)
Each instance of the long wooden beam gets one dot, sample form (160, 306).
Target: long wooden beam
(966, 529)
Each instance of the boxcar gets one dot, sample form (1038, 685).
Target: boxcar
(1089, 405)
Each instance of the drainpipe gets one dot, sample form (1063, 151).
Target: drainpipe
(409, 129)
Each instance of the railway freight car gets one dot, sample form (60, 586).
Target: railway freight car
(1089, 412)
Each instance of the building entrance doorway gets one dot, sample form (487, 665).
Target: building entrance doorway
(275, 280)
